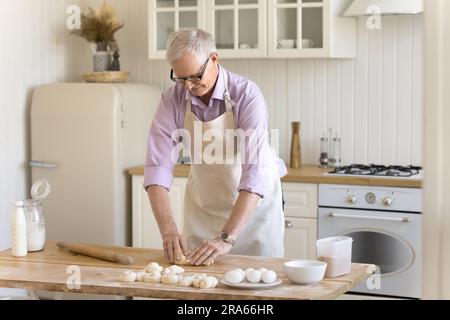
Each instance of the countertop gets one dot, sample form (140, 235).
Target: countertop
(315, 174)
(47, 270)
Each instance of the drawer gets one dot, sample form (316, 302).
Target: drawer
(301, 200)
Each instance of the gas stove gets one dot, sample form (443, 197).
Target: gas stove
(382, 171)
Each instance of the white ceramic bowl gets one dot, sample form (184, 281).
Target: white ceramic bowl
(305, 271)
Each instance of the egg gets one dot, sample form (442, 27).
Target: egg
(262, 270)
(234, 277)
(242, 272)
(269, 276)
(254, 276)
(248, 270)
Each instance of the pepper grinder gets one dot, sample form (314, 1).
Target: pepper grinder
(295, 146)
(324, 152)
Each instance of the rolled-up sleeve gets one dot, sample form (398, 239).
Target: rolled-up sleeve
(253, 118)
(159, 165)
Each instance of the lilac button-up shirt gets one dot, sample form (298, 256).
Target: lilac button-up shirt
(250, 112)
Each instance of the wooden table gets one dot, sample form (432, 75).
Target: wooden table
(49, 270)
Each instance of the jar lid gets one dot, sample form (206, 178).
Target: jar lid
(36, 194)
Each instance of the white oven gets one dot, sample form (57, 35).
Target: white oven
(386, 227)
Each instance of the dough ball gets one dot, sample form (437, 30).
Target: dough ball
(128, 276)
(173, 270)
(140, 276)
(269, 276)
(170, 279)
(152, 278)
(208, 283)
(186, 281)
(254, 276)
(198, 278)
(234, 276)
(176, 269)
(153, 267)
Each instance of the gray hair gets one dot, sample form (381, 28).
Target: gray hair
(195, 41)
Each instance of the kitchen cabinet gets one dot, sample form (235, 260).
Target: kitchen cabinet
(300, 220)
(258, 28)
(239, 27)
(145, 228)
(166, 16)
(310, 29)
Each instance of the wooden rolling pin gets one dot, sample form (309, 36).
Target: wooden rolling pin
(96, 252)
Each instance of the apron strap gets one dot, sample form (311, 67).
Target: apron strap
(228, 102)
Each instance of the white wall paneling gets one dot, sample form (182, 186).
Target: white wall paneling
(373, 101)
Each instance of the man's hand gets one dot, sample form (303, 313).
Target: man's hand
(174, 245)
(208, 251)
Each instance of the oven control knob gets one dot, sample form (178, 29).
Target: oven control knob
(387, 201)
(371, 198)
(352, 199)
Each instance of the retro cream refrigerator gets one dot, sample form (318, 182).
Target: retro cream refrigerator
(84, 137)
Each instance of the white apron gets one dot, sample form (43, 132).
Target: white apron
(212, 190)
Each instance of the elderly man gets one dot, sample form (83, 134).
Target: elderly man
(230, 206)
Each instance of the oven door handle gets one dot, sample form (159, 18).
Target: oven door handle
(355, 216)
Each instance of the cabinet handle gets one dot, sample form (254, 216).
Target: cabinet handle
(288, 224)
(355, 216)
(42, 164)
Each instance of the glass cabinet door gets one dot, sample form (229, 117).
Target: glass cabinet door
(167, 16)
(296, 26)
(238, 26)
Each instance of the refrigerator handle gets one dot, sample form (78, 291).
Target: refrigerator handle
(42, 164)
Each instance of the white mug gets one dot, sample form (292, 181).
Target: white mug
(286, 44)
(244, 46)
(307, 43)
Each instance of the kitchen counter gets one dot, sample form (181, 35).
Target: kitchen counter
(47, 270)
(315, 174)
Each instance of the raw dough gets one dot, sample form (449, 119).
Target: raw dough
(152, 278)
(186, 281)
(185, 262)
(173, 270)
(128, 276)
(170, 279)
(140, 276)
(153, 267)
(208, 283)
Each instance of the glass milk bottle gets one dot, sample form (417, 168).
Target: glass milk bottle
(19, 230)
(35, 226)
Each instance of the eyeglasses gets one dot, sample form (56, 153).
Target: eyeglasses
(196, 78)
